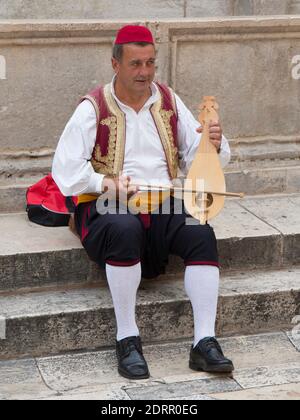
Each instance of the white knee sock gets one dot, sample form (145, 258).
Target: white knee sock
(202, 287)
(123, 283)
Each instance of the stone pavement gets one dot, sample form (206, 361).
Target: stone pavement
(267, 367)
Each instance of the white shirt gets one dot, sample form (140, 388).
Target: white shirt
(144, 161)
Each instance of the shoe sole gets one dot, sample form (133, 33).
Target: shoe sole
(127, 376)
(212, 369)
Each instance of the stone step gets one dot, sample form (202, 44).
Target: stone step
(94, 376)
(257, 232)
(45, 323)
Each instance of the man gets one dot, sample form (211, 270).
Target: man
(131, 131)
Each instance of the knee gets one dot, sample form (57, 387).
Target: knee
(208, 235)
(203, 234)
(127, 229)
(203, 241)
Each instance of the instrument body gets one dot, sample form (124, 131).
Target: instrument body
(206, 173)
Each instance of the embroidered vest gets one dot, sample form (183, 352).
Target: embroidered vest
(108, 154)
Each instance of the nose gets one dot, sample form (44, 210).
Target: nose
(145, 71)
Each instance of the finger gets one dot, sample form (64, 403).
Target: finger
(214, 123)
(123, 185)
(125, 178)
(131, 191)
(216, 137)
(199, 130)
(216, 128)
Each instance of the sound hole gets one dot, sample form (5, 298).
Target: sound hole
(209, 200)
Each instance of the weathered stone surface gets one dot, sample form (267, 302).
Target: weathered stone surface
(242, 239)
(105, 9)
(182, 389)
(294, 7)
(279, 212)
(257, 181)
(196, 8)
(269, 376)
(168, 363)
(96, 393)
(12, 199)
(283, 215)
(47, 107)
(294, 336)
(243, 7)
(261, 7)
(36, 256)
(75, 371)
(91, 9)
(20, 379)
(271, 393)
(258, 311)
(51, 322)
(94, 375)
(293, 179)
(250, 351)
(237, 60)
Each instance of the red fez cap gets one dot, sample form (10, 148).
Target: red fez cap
(131, 33)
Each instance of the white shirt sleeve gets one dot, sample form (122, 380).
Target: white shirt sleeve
(189, 139)
(72, 170)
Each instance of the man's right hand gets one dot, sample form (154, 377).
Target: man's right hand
(118, 187)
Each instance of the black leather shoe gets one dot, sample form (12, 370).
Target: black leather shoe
(208, 356)
(132, 364)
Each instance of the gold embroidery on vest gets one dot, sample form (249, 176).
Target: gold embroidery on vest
(162, 120)
(112, 163)
(119, 150)
(105, 164)
(166, 116)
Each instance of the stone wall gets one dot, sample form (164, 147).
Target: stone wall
(247, 63)
(141, 9)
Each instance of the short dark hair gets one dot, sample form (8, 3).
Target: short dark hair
(118, 49)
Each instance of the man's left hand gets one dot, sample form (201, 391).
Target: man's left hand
(215, 134)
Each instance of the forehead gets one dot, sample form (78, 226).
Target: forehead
(137, 52)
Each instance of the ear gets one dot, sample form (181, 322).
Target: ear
(115, 65)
